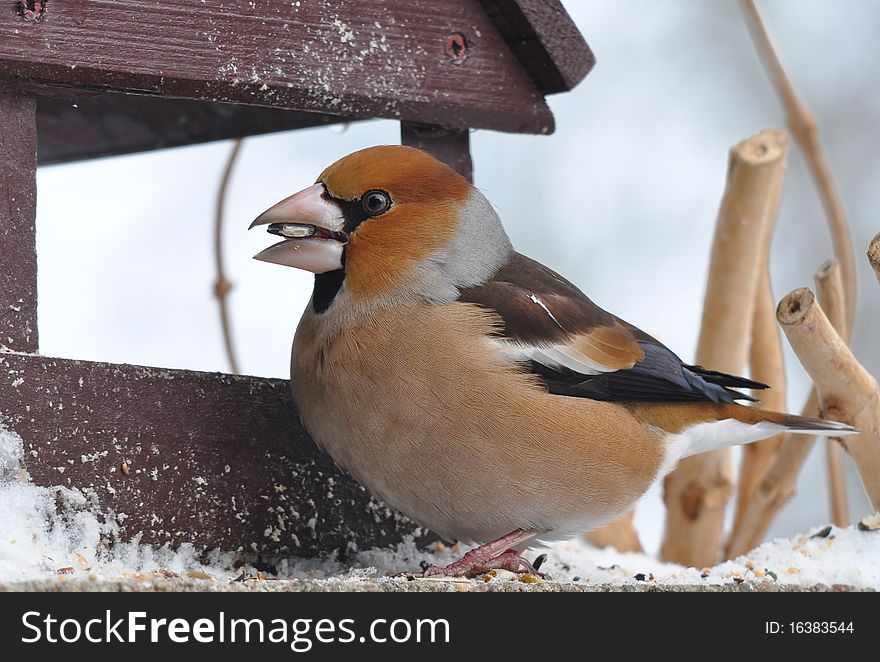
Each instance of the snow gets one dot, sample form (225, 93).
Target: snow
(59, 533)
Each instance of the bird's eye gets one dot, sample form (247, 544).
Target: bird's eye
(376, 202)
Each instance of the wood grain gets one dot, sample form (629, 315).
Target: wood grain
(356, 58)
(546, 41)
(215, 460)
(18, 209)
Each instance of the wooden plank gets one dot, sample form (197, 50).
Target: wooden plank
(81, 124)
(545, 39)
(216, 460)
(357, 58)
(18, 210)
(452, 146)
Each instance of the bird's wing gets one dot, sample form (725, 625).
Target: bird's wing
(577, 349)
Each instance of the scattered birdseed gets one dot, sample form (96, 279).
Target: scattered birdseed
(870, 523)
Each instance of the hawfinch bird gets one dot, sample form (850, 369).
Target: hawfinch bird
(471, 388)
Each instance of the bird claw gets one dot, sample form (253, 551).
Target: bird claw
(474, 567)
(497, 554)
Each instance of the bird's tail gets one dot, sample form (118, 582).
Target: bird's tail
(736, 424)
(791, 423)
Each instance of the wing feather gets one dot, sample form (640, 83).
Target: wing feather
(578, 349)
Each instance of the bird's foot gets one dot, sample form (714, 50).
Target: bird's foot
(478, 565)
(495, 555)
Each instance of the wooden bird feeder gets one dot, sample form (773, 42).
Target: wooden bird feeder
(218, 460)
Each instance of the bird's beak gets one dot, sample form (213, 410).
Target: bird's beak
(312, 227)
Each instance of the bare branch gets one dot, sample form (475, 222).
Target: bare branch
(804, 128)
(222, 286)
(839, 502)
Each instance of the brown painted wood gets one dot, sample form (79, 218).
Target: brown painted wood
(216, 460)
(545, 39)
(356, 58)
(452, 146)
(18, 209)
(80, 124)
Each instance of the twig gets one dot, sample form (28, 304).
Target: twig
(779, 484)
(697, 491)
(620, 534)
(874, 255)
(846, 391)
(222, 286)
(804, 128)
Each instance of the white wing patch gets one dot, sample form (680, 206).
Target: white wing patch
(553, 356)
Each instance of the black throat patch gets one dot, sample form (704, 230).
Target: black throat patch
(327, 286)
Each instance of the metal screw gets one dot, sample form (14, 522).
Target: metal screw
(455, 47)
(31, 10)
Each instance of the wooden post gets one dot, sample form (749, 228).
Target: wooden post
(452, 146)
(18, 210)
(696, 493)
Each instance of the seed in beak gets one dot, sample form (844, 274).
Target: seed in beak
(292, 230)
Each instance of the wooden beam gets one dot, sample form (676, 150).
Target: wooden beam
(545, 40)
(451, 146)
(18, 210)
(216, 460)
(81, 124)
(355, 58)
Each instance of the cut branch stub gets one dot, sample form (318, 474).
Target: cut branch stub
(823, 352)
(874, 255)
(846, 391)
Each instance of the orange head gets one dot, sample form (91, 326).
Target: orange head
(386, 221)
